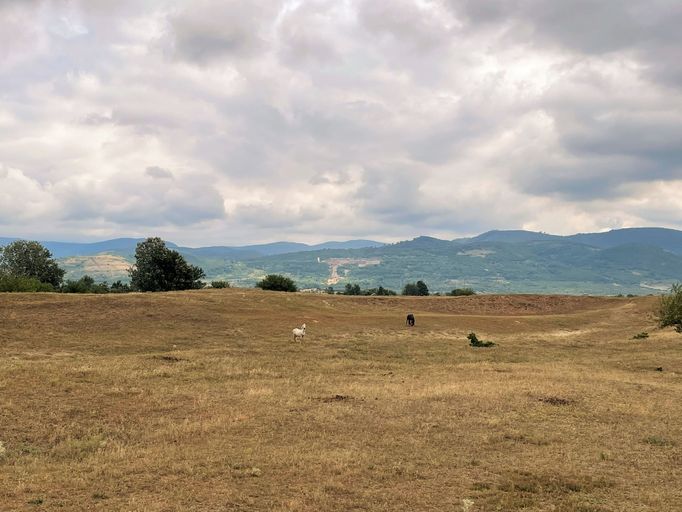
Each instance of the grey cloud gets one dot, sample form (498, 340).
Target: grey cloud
(648, 29)
(393, 194)
(406, 23)
(330, 178)
(183, 202)
(585, 25)
(206, 31)
(158, 172)
(306, 34)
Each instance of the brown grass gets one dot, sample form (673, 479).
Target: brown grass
(202, 401)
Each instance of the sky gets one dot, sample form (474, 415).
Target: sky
(246, 121)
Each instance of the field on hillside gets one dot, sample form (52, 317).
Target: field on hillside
(199, 401)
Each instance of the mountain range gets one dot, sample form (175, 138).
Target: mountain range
(633, 260)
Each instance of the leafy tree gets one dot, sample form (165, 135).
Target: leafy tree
(220, 284)
(158, 268)
(30, 259)
(670, 308)
(278, 283)
(418, 288)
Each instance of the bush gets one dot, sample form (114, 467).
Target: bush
(475, 342)
(458, 292)
(670, 308)
(278, 283)
(9, 283)
(85, 284)
(379, 291)
(220, 284)
(352, 289)
(119, 287)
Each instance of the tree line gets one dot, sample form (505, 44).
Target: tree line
(27, 266)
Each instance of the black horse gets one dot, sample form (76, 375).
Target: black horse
(410, 320)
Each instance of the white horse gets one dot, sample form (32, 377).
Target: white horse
(299, 333)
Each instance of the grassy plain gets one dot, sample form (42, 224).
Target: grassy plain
(201, 401)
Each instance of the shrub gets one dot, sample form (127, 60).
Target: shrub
(119, 287)
(641, 336)
(85, 284)
(220, 284)
(10, 283)
(670, 308)
(475, 342)
(278, 283)
(457, 292)
(352, 289)
(418, 288)
(379, 291)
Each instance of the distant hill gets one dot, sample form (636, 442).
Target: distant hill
(666, 239)
(636, 261)
(512, 236)
(126, 247)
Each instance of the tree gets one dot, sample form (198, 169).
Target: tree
(418, 288)
(352, 289)
(158, 268)
(30, 259)
(278, 283)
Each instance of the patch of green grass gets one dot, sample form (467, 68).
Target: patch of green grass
(658, 441)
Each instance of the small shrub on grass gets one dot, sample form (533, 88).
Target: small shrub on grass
(640, 336)
(459, 292)
(670, 308)
(278, 283)
(220, 284)
(658, 441)
(475, 342)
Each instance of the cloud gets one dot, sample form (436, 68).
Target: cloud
(157, 172)
(240, 121)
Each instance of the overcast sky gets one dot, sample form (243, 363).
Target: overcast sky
(239, 121)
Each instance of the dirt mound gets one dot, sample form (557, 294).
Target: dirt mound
(505, 305)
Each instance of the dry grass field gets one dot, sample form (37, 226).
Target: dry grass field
(201, 401)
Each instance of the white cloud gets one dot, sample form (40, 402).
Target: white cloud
(231, 122)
